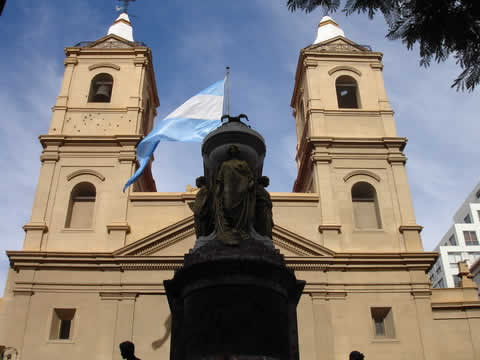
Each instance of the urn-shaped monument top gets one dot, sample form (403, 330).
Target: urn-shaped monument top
(232, 204)
(233, 132)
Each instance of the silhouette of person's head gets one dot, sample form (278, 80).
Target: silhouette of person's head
(356, 355)
(127, 350)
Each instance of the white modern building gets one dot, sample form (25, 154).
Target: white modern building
(460, 242)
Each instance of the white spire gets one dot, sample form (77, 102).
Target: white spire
(122, 27)
(328, 29)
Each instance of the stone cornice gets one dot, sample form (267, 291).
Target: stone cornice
(190, 196)
(118, 227)
(392, 145)
(457, 305)
(62, 140)
(35, 226)
(108, 261)
(403, 228)
(329, 227)
(161, 196)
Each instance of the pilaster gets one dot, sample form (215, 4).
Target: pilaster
(124, 304)
(322, 316)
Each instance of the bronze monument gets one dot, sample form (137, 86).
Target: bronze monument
(234, 298)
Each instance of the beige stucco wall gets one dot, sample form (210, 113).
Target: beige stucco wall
(333, 315)
(113, 272)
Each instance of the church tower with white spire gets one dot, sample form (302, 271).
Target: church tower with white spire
(348, 150)
(107, 102)
(92, 270)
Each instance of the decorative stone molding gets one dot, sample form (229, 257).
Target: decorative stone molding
(126, 156)
(403, 228)
(123, 261)
(50, 156)
(345, 68)
(377, 66)
(23, 292)
(297, 244)
(118, 227)
(308, 63)
(120, 296)
(35, 226)
(322, 158)
(107, 65)
(112, 44)
(86, 172)
(329, 227)
(421, 293)
(70, 61)
(361, 172)
(397, 159)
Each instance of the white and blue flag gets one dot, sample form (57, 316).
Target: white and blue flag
(190, 122)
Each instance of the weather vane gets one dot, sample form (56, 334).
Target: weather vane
(124, 8)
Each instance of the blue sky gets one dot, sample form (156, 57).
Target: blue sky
(192, 42)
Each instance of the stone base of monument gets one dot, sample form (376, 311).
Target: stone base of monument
(234, 302)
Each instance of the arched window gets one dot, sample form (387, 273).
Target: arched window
(82, 203)
(347, 92)
(101, 88)
(365, 206)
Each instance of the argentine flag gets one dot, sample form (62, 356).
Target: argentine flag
(191, 122)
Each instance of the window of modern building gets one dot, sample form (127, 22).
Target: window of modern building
(365, 206)
(441, 283)
(473, 256)
(453, 259)
(347, 92)
(62, 324)
(467, 219)
(478, 214)
(382, 319)
(470, 237)
(452, 241)
(81, 207)
(101, 88)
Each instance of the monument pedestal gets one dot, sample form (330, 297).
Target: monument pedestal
(234, 302)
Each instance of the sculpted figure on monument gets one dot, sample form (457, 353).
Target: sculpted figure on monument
(234, 199)
(202, 209)
(263, 208)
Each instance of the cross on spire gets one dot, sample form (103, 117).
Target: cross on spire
(124, 7)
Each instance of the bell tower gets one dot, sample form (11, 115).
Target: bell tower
(348, 150)
(107, 102)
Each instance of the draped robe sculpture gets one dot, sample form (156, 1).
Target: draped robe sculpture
(234, 199)
(202, 209)
(263, 208)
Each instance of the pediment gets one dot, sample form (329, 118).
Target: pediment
(338, 44)
(177, 239)
(111, 41)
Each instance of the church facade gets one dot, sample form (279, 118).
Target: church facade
(91, 272)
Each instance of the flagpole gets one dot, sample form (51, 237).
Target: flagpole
(226, 108)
